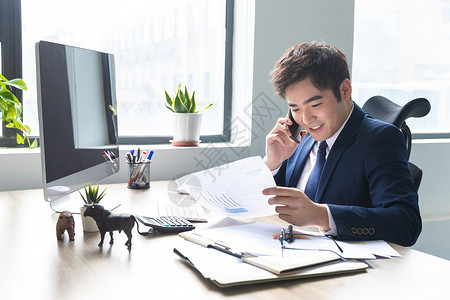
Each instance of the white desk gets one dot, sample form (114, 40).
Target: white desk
(35, 265)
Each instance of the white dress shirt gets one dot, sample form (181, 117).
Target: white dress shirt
(309, 165)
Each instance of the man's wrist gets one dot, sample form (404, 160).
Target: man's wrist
(271, 165)
(322, 218)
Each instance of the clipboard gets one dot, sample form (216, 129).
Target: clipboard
(226, 270)
(276, 264)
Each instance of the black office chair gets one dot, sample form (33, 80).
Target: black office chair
(384, 109)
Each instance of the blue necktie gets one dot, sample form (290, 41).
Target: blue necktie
(314, 177)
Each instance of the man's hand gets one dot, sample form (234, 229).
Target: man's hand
(295, 207)
(279, 146)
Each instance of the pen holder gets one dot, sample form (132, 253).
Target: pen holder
(139, 175)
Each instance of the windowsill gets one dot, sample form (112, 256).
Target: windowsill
(15, 151)
(431, 141)
(168, 161)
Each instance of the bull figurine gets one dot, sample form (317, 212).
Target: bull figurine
(65, 222)
(109, 222)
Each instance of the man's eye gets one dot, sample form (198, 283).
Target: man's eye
(316, 105)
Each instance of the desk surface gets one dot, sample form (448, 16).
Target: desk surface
(34, 264)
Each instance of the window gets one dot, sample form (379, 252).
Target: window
(157, 45)
(401, 52)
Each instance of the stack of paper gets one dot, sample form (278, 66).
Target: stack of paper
(252, 253)
(226, 270)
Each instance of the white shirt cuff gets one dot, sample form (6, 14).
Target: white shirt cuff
(274, 172)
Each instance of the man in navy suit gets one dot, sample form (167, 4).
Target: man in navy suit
(365, 190)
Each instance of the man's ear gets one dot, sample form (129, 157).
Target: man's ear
(346, 89)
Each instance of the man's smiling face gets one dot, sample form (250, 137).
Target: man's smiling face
(319, 112)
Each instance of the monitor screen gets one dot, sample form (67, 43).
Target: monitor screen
(77, 120)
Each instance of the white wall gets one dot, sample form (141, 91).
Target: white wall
(277, 25)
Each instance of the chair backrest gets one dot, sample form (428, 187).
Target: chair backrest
(384, 109)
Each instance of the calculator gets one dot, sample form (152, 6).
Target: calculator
(166, 224)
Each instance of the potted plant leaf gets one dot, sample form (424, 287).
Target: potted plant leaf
(91, 197)
(11, 109)
(187, 119)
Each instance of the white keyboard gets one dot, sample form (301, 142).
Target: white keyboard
(185, 207)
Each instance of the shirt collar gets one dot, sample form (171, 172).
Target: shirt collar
(332, 140)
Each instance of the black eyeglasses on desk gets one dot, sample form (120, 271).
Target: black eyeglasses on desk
(288, 236)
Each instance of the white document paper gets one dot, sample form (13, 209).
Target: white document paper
(260, 238)
(233, 189)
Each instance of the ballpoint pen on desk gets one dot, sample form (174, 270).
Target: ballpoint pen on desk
(334, 240)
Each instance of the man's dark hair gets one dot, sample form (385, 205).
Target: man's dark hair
(323, 63)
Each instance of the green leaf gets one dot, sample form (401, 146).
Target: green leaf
(209, 105)
(114, 110)
(9, 97)
(194, 104)
(103, 194)
(84, 199)
(186, 101)
(186, 94)
(170, 108)
(18, 123)
(17, 83)
(34, 144)
(27, 129)
(168, 99)
(178, 105)
(20, 139)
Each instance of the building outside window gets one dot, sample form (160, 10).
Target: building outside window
(157, 46)
(401, 51)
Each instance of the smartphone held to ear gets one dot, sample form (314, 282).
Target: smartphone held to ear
(294, 128)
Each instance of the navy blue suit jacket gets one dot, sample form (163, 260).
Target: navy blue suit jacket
(365, 181)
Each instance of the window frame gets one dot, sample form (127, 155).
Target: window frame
(11, 49)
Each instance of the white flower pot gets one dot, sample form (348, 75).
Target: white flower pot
(89, 224)
(186, 128)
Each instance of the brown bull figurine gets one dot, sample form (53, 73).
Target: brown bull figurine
(65, 222)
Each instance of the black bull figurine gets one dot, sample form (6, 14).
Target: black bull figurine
(109, 222)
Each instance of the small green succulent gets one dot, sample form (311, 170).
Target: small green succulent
(91, 193)
(182, 102)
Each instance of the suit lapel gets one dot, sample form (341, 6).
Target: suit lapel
(297, 161)
(344, 140)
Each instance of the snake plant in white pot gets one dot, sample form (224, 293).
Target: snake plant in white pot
(187, 119)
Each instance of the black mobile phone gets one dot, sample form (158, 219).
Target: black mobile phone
(294, 128)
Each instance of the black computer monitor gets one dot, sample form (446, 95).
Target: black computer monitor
(77, 121)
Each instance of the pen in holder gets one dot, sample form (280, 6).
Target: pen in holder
(139, 173)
